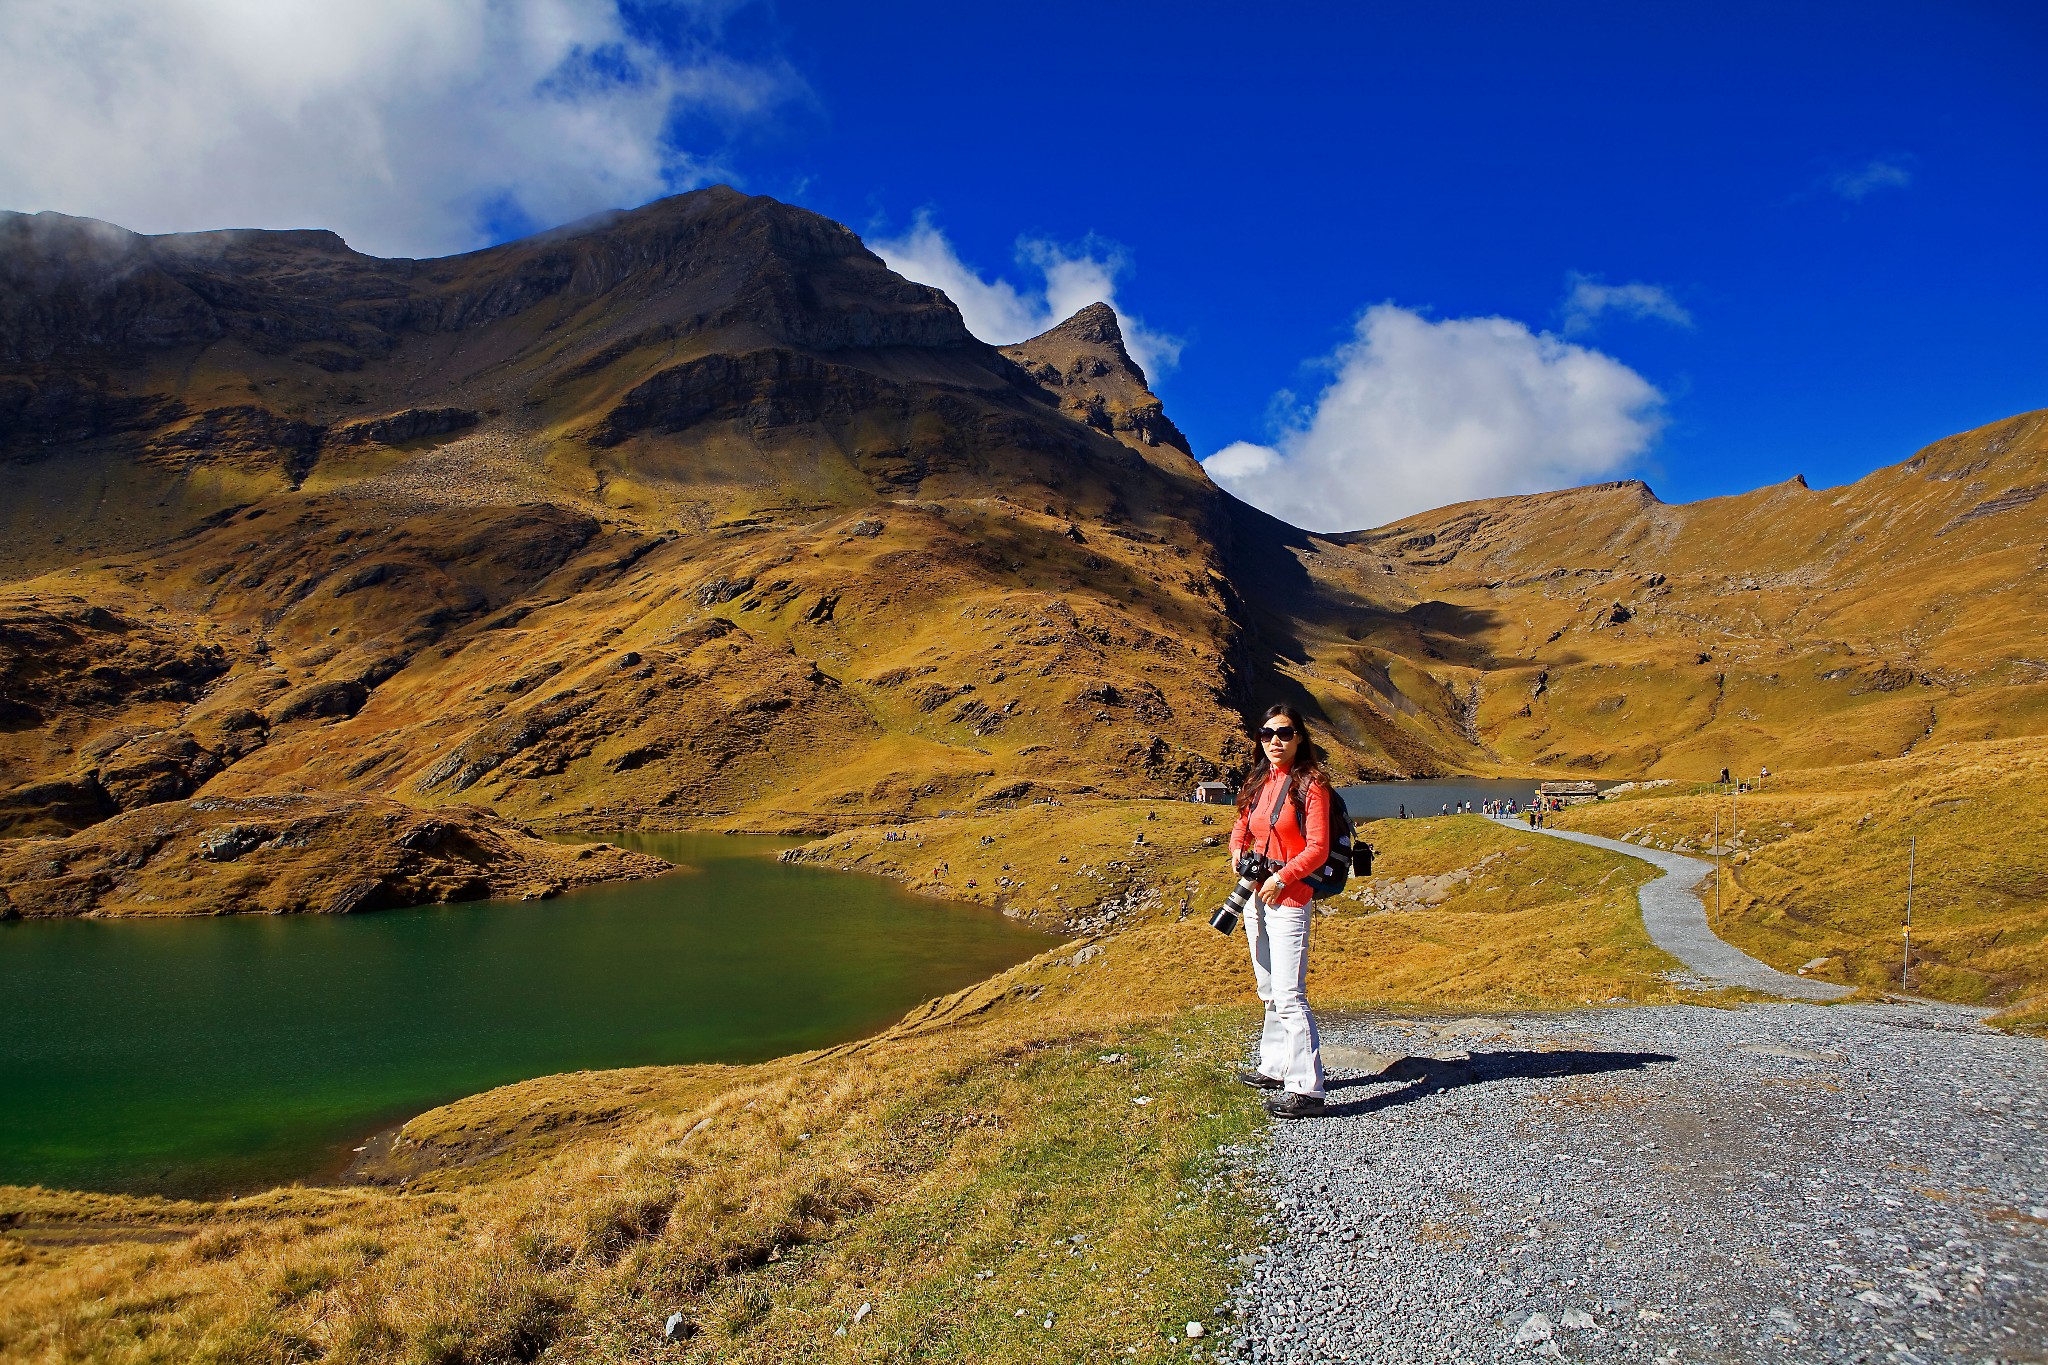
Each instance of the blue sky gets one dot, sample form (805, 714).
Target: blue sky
(1805, 239)
(1271, 179)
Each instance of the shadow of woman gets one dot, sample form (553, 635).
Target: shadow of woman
(1422, 1077)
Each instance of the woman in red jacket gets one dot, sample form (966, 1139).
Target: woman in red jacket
(1283, 812)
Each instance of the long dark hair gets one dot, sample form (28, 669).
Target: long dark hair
(1308, 761)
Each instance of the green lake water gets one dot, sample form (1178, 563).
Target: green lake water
(204, 1056)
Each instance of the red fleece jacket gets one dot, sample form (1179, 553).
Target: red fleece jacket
(1299, 852)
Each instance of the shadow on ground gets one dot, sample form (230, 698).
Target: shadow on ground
(1425, 1076)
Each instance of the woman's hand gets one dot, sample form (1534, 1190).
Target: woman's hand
(1272, 890)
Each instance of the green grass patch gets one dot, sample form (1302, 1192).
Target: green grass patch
(1044, 1213)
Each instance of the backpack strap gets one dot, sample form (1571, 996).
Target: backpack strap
(1301, 811)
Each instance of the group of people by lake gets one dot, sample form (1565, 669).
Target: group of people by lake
(1506, 806)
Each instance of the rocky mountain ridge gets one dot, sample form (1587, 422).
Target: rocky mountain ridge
(699, 513)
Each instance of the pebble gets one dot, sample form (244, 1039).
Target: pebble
(1837, 1184)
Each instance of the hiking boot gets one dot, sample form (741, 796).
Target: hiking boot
(1295, 1106)
(1258, 1080)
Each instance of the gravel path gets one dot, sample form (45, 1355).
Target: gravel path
(1670, 1183)
(1676, 919)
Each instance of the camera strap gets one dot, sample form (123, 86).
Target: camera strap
(1273, 817)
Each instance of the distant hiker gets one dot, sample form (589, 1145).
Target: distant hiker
(1404, 810)
(1283, 813)
(1446, 809)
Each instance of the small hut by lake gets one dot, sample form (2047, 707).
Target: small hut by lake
(1571, 793)
(1213, 793)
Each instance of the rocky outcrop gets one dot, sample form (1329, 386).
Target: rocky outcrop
(1082, 363)
(65, 652)
(413, 424)
(291, 855)
(245, 434)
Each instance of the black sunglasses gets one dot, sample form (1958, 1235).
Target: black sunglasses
(1283, 733)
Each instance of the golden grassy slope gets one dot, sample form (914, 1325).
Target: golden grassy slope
(565, 1218)
(909, 656)
(1521, 919)
(1819, 869)
(1600, 630)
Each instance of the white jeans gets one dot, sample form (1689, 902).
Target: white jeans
(1289, 1050)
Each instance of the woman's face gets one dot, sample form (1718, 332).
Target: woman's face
(1280, 740)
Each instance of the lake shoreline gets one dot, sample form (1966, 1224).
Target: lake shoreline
(238, 1061)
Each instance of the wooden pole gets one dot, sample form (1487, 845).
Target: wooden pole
(1906, 964)
(1717, 869)
(1734, 833)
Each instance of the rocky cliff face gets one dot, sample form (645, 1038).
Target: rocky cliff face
(80, 289)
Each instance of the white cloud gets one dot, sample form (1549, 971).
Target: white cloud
(1242, 463)
(1422, 414)
(1879, 173)
(405, 125)
(1000, 313)
(1589, 298)
(992, 309)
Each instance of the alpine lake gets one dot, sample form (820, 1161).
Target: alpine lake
(209, 1056)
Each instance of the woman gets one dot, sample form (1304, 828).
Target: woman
(1283, 812)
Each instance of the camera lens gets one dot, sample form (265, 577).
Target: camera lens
(1225, 920)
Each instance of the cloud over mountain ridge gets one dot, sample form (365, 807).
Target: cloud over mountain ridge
(412, 130)
(1421, 414)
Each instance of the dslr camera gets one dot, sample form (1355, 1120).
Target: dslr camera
(1253, 867)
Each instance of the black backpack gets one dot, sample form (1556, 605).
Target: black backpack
(1344, 851)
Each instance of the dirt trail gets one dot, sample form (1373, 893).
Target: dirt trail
(1677, 922)
(1670, 1183)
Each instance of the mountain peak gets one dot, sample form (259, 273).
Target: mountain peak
(1083, 364)
(1095, 325)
